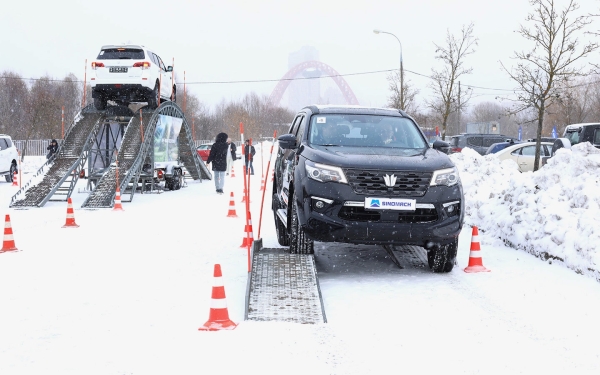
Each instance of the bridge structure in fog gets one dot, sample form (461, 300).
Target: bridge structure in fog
(284, 82)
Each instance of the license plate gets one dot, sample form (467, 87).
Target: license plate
(390, 204)
(117, 69)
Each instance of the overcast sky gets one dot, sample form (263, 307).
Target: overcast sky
(227, 41)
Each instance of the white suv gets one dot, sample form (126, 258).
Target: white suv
(128, 74)
(8, 157)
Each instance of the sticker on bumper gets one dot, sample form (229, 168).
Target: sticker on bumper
(390, 204)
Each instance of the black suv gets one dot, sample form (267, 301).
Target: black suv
(365, 176)
(578, 133)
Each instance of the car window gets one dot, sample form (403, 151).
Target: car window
(8, 142)
(474, 141)
(121, 54)
(160, 62)
(487, 142)
(301, 129)
(573, 137)
(296, 124)
(528, 150)
(597, 136)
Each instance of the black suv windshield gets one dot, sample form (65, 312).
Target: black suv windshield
(365, 131)
(121, 53)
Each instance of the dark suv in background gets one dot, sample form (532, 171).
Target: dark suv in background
(365, 176)
(478, 142)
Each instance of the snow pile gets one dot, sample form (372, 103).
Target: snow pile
(551, 213)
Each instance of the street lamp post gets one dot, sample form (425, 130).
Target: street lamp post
(377, 31)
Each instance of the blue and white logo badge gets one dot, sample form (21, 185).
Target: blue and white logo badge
(391, 204)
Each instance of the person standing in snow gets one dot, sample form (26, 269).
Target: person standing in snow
(249, 152)
(230, 155)
(218, 158)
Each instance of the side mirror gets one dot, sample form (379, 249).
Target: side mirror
(441, 146)
(287, 141)
(169, 68)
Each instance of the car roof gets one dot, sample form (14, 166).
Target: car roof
(355, 109)
(519, 145)
(575, 126)
(138, 46)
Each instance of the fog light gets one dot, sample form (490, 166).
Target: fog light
(319, 204)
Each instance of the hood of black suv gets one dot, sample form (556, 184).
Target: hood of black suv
(426, 159)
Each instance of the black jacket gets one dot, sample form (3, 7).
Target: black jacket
(52, 148)
(218, 153)
(233, 149)
(252, 152)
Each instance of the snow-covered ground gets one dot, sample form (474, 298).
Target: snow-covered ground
(126, 292)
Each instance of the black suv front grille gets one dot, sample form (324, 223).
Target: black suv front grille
(420, 215)
(372, 182)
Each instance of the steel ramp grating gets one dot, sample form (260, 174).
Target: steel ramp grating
(284, 287)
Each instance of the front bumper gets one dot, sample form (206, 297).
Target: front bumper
(342, 217)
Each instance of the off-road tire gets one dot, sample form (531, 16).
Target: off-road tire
(282, 236)
(100, 103)
(153, 99)
(442, 258)
(13, 169)
(299, 241)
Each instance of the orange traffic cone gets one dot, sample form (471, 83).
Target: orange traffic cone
(15, 179)
(231, 212)
(70, 223)
(218, 317)
(118, 206)
(248, 237)
(475, 263)
(232, 172)
(9, 241)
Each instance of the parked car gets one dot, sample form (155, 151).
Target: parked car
(8, 157)
(588, 132)
(478, 142)
(524, 154)
(500, 146)
(130, 73)
(203, 151)
(365, 175)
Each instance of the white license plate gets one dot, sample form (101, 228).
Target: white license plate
(117, 69)
(399, 204)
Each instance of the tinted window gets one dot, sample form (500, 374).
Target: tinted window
(474, 141)
(597, 137)
(573, 136)
(528, 151)
(121, 53)
(487, 142)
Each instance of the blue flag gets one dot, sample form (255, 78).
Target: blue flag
(554, 133)
(520, 132)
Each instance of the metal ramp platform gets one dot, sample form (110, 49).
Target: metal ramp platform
(283, 287)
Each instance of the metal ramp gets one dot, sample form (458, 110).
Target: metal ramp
(136, 152)
(283, 287)
(55, 180)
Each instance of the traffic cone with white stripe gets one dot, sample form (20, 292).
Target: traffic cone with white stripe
(475, 262)
(9, 242)
(248, 238)
(231, 212)
(15, 179)
(218, 318)
(70, 223)
(118, 206)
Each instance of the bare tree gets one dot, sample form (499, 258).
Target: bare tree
(444, 81)
(545, 69)
(395, 99)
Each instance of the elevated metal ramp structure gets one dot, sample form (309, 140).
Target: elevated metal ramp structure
(283, 287)
(136, 151)
(56, 179)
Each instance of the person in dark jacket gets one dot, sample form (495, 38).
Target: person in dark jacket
(249, 152)
(218, 158)
(52, 148)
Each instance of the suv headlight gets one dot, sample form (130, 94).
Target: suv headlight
(324, 173)
(448, 177)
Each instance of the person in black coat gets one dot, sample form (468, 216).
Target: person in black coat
(249, 152)
(218, 158)
(52, 148)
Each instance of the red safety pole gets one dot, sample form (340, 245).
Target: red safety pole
(262, 202)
